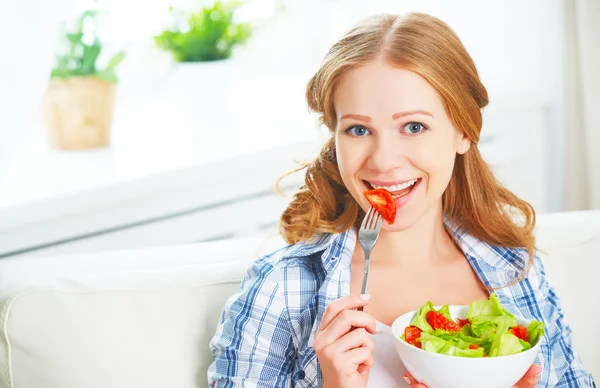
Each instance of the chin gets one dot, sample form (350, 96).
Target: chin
(400, 224)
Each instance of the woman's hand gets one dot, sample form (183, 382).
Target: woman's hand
(343, 345)
(528, 381)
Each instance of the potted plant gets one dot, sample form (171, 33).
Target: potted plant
(206, 35)
(79, 100)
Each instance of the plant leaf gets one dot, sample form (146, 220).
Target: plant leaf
(115, 60)
(107, 75)
(211, 35)
(89, 57)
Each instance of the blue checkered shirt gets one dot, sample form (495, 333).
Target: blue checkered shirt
(265, 334)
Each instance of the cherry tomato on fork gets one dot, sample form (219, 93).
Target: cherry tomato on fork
(383, 202)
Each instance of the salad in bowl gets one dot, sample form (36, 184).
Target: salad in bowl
(488, 330)
(480, 345)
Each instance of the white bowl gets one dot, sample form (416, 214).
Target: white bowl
(443, 371)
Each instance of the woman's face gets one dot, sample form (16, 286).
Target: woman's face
(393, 132)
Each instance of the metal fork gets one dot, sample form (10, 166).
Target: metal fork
(367, 236)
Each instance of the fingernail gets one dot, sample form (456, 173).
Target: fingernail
(407, 380)
(365, 296)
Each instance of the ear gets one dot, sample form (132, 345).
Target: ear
(462, 144)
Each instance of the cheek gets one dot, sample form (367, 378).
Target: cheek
(436, 159)
(349, 158)
(344, 162)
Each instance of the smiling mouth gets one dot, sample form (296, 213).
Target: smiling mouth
(397, 191)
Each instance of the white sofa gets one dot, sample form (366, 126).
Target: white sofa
(143, 318)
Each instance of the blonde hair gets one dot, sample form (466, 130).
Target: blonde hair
(474, 200)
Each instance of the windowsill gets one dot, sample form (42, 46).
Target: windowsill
(194, 118)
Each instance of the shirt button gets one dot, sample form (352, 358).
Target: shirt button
(299, 375)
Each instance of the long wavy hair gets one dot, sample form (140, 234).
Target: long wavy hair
(474, 200)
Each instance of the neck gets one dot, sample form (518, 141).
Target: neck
(426, 243)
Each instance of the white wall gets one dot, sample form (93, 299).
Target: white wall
(517, 46)
(28, 33)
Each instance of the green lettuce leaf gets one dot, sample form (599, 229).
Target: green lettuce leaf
(432, 343)
(505, 343)
(483, 325)
(445, 311)
(452, 350)
(509, 344)
(450, 345)
(420, 319)
(495, 348)
(534, 332)
(526, 345)
(490, 308)
(484, 342)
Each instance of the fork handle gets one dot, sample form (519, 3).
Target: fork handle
(363, 289)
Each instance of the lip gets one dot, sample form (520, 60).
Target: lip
(403, 200)
(389, 183)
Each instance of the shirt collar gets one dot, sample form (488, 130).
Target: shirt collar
(485, 259)
(496, 266)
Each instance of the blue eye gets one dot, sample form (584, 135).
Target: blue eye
(358, 131)
(414, 128)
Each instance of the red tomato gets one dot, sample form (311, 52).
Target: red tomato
(412, 335)
(383, 202)
(474, 346)
(438, 321)
(520, 332)
(462, 322)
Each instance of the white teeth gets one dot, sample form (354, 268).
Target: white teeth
(399, 187)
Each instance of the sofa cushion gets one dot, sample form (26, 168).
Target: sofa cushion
(97, 321)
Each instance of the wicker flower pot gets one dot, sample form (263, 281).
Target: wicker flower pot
(78, 112)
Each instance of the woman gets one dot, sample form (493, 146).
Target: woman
(402, 100)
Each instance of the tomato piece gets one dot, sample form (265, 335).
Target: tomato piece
(519, 331)
(412, 335)
(462, 322)
(438, 321)
(383, 202)
(474, 346)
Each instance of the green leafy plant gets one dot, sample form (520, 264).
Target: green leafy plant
(82, 50)
(206, 35)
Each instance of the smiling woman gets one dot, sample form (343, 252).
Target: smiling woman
(393, 149)
(403, 102)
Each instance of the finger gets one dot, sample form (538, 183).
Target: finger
(352, 340)
(350, 362)
(345, 322)
(346, 303)
(362, 368)
(353, 319)
(412, 381)
(365, 366)
(360, 356)
(531, 378)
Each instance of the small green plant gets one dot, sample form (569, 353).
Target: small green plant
(81, 52)
(206, 35)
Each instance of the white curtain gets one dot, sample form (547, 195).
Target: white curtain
(582, 136)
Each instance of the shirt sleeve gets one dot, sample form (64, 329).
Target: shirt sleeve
(253, 344)
(562, 367)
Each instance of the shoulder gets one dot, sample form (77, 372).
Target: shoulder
(303, 255)
(292, 266)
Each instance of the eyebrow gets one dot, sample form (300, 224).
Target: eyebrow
(395, 116)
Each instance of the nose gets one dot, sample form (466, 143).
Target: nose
(387, 154)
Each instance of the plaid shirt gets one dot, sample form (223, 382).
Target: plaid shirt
(265, 333)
